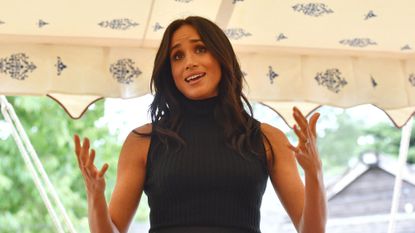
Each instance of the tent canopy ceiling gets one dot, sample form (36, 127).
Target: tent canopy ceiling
(339, 53)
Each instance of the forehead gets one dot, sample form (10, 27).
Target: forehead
(184, 33)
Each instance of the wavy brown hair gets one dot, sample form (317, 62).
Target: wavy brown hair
(239, 128)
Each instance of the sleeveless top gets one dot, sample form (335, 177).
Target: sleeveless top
(206, 186)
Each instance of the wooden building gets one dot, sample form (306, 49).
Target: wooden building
(360, 200)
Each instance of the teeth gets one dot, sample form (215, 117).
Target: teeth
(188, 79)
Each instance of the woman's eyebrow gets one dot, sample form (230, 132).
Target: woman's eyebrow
(191, 40)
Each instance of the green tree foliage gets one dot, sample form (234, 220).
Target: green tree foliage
(338, 143)
(347, 138)
(386, 139)
(51, 131)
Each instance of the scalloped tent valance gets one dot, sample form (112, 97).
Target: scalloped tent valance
(308, 54)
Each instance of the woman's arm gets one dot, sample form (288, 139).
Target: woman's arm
(130, 178)
(128, 189)
(306, 205)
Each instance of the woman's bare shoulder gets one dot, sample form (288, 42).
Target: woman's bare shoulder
(272, 132)
(144, 129)
(137, 143)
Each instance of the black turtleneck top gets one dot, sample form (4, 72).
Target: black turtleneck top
(206, 186)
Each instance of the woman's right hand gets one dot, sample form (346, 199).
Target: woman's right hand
(94, 179)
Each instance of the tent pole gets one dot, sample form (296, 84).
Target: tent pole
(39, 166)
(403, 155)
(224, 14)
(5, 108)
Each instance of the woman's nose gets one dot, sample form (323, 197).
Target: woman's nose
(190, 62)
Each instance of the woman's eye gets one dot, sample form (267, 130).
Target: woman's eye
(177, 56)
(201, 49)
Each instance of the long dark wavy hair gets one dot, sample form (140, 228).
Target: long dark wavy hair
(166, 113)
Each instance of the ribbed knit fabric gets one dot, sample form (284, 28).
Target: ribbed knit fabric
(205, 184)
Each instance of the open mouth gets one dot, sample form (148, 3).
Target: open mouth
(194, 77)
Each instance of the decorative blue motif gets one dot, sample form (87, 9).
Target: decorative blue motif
(236, 33)
(235, 1)
(42, 23)
(271, 74)
(183, 1)
(412, 79)
(332, 79)
(313, 9)
(369, 15)
(281, 36)
(118, 24)
(124, 71)
(157, 27)
(358, 42)
(406, 47)
(60, 66)
(374, 83)
(17, 66)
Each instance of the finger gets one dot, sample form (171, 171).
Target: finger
(302, 123)
(297, 151)
(84, 151)
(303, 142)
(90, 171)
(103, 170)
(313, 123)
(91, 159)
(293, 148)
(77, 149)
(299, 117)
(300, 134)
(77, 144)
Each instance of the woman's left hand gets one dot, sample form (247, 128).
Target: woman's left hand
(306, 151)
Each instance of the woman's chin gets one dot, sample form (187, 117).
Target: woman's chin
(199, 96)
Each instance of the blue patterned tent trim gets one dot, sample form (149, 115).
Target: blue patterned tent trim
(41, 23)
(331, 79)
(124, 71)
(244, 74)
(236, 33)
(373, 81)
(271, 74)
(157, 27)
(406, 47)
(118, 24)
(281, 36)
(17, 66)
(358, 42)
(370, 15)
(60, 66)
(412, 79)
(313, 9)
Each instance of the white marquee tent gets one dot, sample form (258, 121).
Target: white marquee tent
(303, 53)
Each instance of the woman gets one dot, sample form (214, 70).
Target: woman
(204, 161)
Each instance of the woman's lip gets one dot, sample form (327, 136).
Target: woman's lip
(199, 75)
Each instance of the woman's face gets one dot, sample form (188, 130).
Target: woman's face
(196, 72)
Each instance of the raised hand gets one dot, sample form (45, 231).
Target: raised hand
(94, 179)
(306, 151)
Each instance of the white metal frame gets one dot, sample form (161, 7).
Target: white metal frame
(35, 167)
